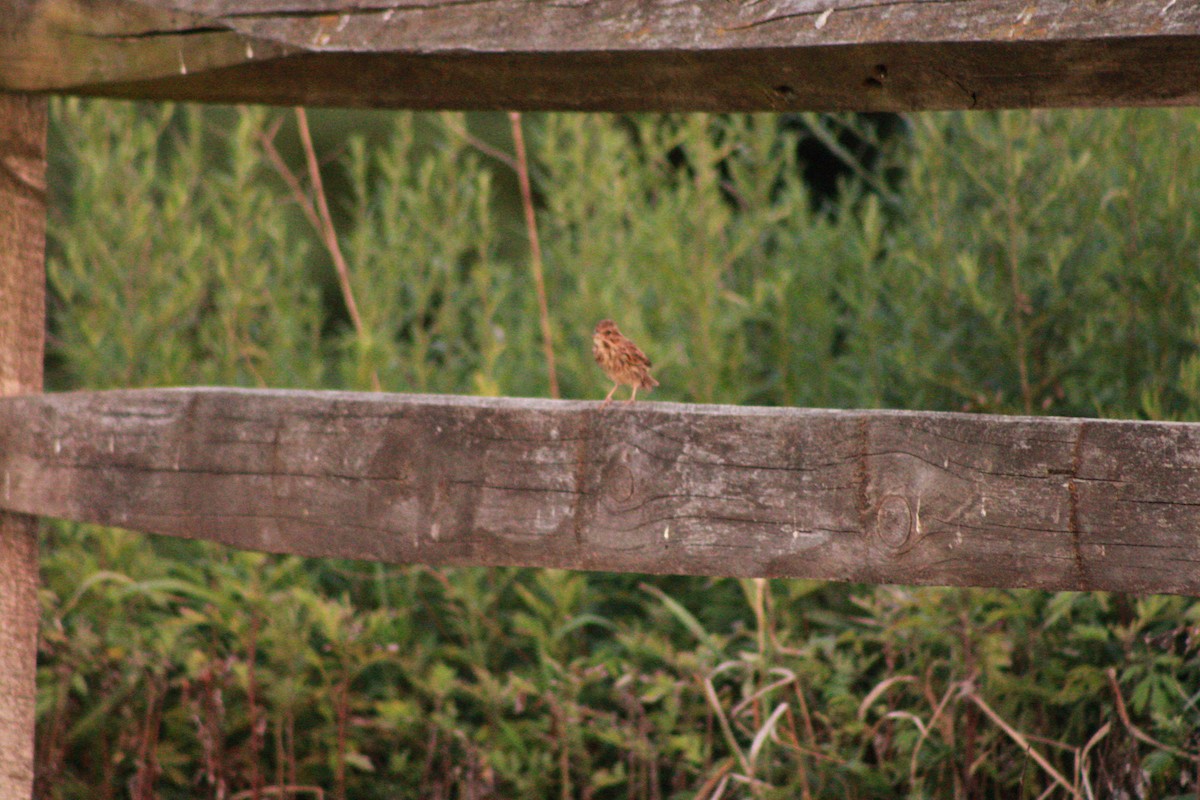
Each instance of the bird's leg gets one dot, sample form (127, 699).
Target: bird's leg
(608, 399)
(633, 394)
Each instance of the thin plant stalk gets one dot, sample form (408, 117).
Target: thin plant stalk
(968, 693)
(318, 215)
(535, 247)
(710, 693)
(328, 234)
(1021, 306)
(1137, 732)
(479, 144)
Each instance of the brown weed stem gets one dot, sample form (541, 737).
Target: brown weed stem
(535, 247)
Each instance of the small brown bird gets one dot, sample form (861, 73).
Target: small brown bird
(622, 360)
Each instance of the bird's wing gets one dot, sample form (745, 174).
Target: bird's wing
(636, 357)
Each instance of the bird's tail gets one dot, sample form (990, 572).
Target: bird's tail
(648, 383)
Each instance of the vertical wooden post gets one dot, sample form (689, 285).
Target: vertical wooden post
(22, 334)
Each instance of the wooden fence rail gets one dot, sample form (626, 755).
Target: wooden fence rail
(877, 496)
(870, 496)
(615, 55)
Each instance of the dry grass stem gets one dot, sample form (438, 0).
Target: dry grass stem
(1051, 789)
(879, 689)
(535, 247)
(318, 215)
(768, 727)
(714, 786)
(789, 676)
(968, 692)
(479, 144)
(1137, 732)
(329, 235)
(1082, 757)
(937, 713)
(714, 702)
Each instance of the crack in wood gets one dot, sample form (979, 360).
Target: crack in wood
(192, 514)
(1038, 423)
(155, 469)
(1081, 569)
(502, 488)
(583, 461)
(961, 464)
(825, 8)
(358, 9)
(864, 476)
(962, 87)
(164, 33)
(992, 526)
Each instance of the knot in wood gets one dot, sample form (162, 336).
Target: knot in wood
(893, 521)
(621, 483)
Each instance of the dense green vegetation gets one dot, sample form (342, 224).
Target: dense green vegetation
(1044, 262)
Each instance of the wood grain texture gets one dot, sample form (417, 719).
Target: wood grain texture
(22, 332)
(875, 496)
(718, 55)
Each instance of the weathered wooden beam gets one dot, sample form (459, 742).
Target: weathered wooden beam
(718, 55)
(878, 496)
(22, 332)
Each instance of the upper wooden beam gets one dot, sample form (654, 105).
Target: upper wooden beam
(619, 55)
(877, 496)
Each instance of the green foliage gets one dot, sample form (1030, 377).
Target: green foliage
(1015, 262)
(1056, 261)
(423, 249)
(175, 261)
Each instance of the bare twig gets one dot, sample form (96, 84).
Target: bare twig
(969, 693)
(480, 144)
(1021, 304)
(768, 727)
(318, 215)
(1081, 760)
(710, 692)
(706, 791)
(801, 766)
(1049, 791)
(329, 235)
(879, 689)
(1137, 732)
(535, 246)
(762, 691)
(298, 194)
(937, 712)
(815, 126)
(806, 717)
(520, 165)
